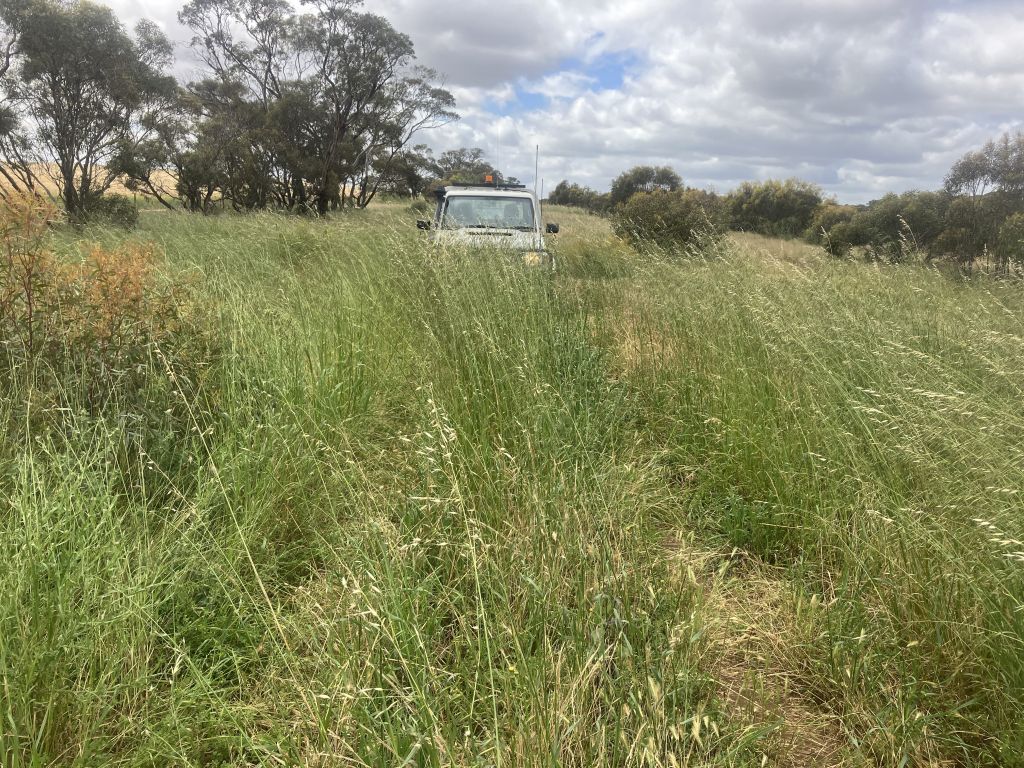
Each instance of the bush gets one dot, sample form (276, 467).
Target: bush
(1011, 240)
(952, 242)
(87, 334)
(690, 218)
(892, 229)
(576, 196)
(774, 208)
(830, 228)
(113, 210)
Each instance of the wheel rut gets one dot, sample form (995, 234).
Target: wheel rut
(759, 628)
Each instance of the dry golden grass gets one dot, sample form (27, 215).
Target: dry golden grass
(46, 179)
(757, 629)
(777, 250)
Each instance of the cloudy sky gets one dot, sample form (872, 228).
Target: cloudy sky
(859, 96)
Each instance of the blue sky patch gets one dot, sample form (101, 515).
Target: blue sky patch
(606, 72)
(528, 101)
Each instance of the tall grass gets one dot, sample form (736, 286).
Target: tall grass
(417, 511)
(409, 528)
(859, 426)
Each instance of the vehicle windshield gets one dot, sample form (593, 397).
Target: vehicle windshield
(470, 212)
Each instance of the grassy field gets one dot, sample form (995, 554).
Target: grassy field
(407, 508)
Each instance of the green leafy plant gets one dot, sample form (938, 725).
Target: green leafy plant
(682, 219)
(112, 210)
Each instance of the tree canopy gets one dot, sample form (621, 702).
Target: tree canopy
(779, 208)
(301, 109)
(644, 178)
(997, 166)
(84, 90)
(324, 103)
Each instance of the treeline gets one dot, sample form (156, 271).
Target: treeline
(641, 179)
(978, 214)
(653, 203)
(779, 208)
(303, 111)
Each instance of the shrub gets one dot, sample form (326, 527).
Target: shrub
(775, 208)
(26, 273)
(830, 228)
(113, 210)
(952, 241)
(892, 229)
(690, 218)
(1011, 240)
(577, 196)
(86, 334)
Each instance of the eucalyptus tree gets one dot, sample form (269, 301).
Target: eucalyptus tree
(410, 172)
(401, 110)
(997, 166)
(17, 160)
(86, 89)
(183, 164)
(329, 96)
(988, 188)
(465, 164)
(643, 178)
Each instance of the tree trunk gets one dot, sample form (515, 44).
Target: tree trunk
(323, 202)
(298, 193)
(69, 192)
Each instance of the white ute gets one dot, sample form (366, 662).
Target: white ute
(506, 217)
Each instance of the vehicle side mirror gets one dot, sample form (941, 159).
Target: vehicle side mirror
(422, 224)
(552, 229)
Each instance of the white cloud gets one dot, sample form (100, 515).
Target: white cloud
(861, 96)
(561, 85)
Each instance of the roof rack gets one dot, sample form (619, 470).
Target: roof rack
(491, 185)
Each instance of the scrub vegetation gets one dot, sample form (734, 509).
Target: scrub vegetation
(976, 221)
(306, 492)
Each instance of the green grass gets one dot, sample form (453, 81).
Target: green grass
(427, 510)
